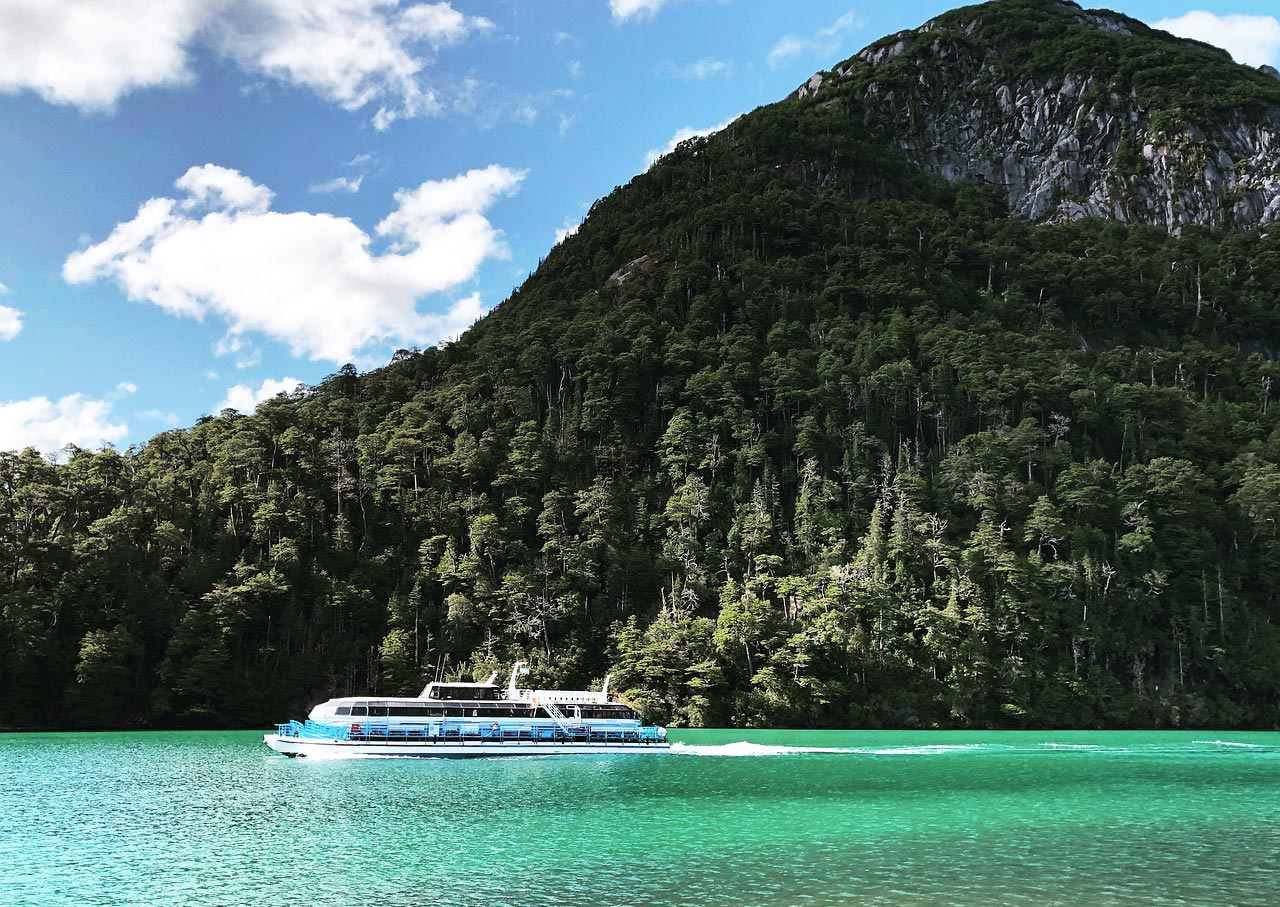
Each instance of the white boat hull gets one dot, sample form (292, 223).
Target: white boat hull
(450, 749)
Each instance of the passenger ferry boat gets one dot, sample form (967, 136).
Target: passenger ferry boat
(471, 719)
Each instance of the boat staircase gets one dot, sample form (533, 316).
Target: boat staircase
(563, 721)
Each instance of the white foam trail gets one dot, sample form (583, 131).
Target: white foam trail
(937, 749)
(1251, 746)
(743, 748)
(1070, 746)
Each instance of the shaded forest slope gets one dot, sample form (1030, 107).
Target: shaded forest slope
(792, 432)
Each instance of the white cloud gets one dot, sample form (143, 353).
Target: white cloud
(310, 280)
(341, 184)
(247, 354)
(575, 68)
(353, 53)
(698, 71)
(788, 46)
(567, 229)
(10, 319)
(245, 399)
(346, 184)
(10, 322)
(682, 135)
(90, 54)
(217, 187)
(566, 123)
(635, 9)
(823, 43)
(49, 426)
(488, 104)
(1253, 40)
(159, 415)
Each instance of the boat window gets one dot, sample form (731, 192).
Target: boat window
(479, 694)
(359, 711)
(378, 711)
(606, 711)
(343, 710)
(453, 712)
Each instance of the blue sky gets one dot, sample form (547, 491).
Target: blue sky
(207, 200)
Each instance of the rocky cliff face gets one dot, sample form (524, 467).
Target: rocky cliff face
(1100, 129)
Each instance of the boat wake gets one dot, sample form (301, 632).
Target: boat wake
(745, 748)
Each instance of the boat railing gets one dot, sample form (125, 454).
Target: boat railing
(312, 729)
(374, 732)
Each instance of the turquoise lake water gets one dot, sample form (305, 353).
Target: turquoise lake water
(730, 818)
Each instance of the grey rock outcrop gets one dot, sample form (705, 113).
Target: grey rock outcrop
(1063, 147)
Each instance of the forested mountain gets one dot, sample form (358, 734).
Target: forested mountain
(794, 431)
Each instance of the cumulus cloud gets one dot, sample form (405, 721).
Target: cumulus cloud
(218, 187)
(49, 425)
(635, 9)
(10, 319)
(1253, 40)
(245, 399)
(697, 71)
(682, 135)
(88, 55)
(822, 43)
(311, 280)
(354, 53)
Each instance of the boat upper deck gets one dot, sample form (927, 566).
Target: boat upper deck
(420, 708)
(483, 701)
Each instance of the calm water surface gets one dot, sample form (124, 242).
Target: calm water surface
(731, 818)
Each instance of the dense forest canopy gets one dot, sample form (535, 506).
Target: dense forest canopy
(790, 433)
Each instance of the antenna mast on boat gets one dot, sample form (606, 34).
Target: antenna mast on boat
(517, 670)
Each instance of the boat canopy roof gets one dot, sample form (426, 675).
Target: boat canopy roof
(485, 692)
